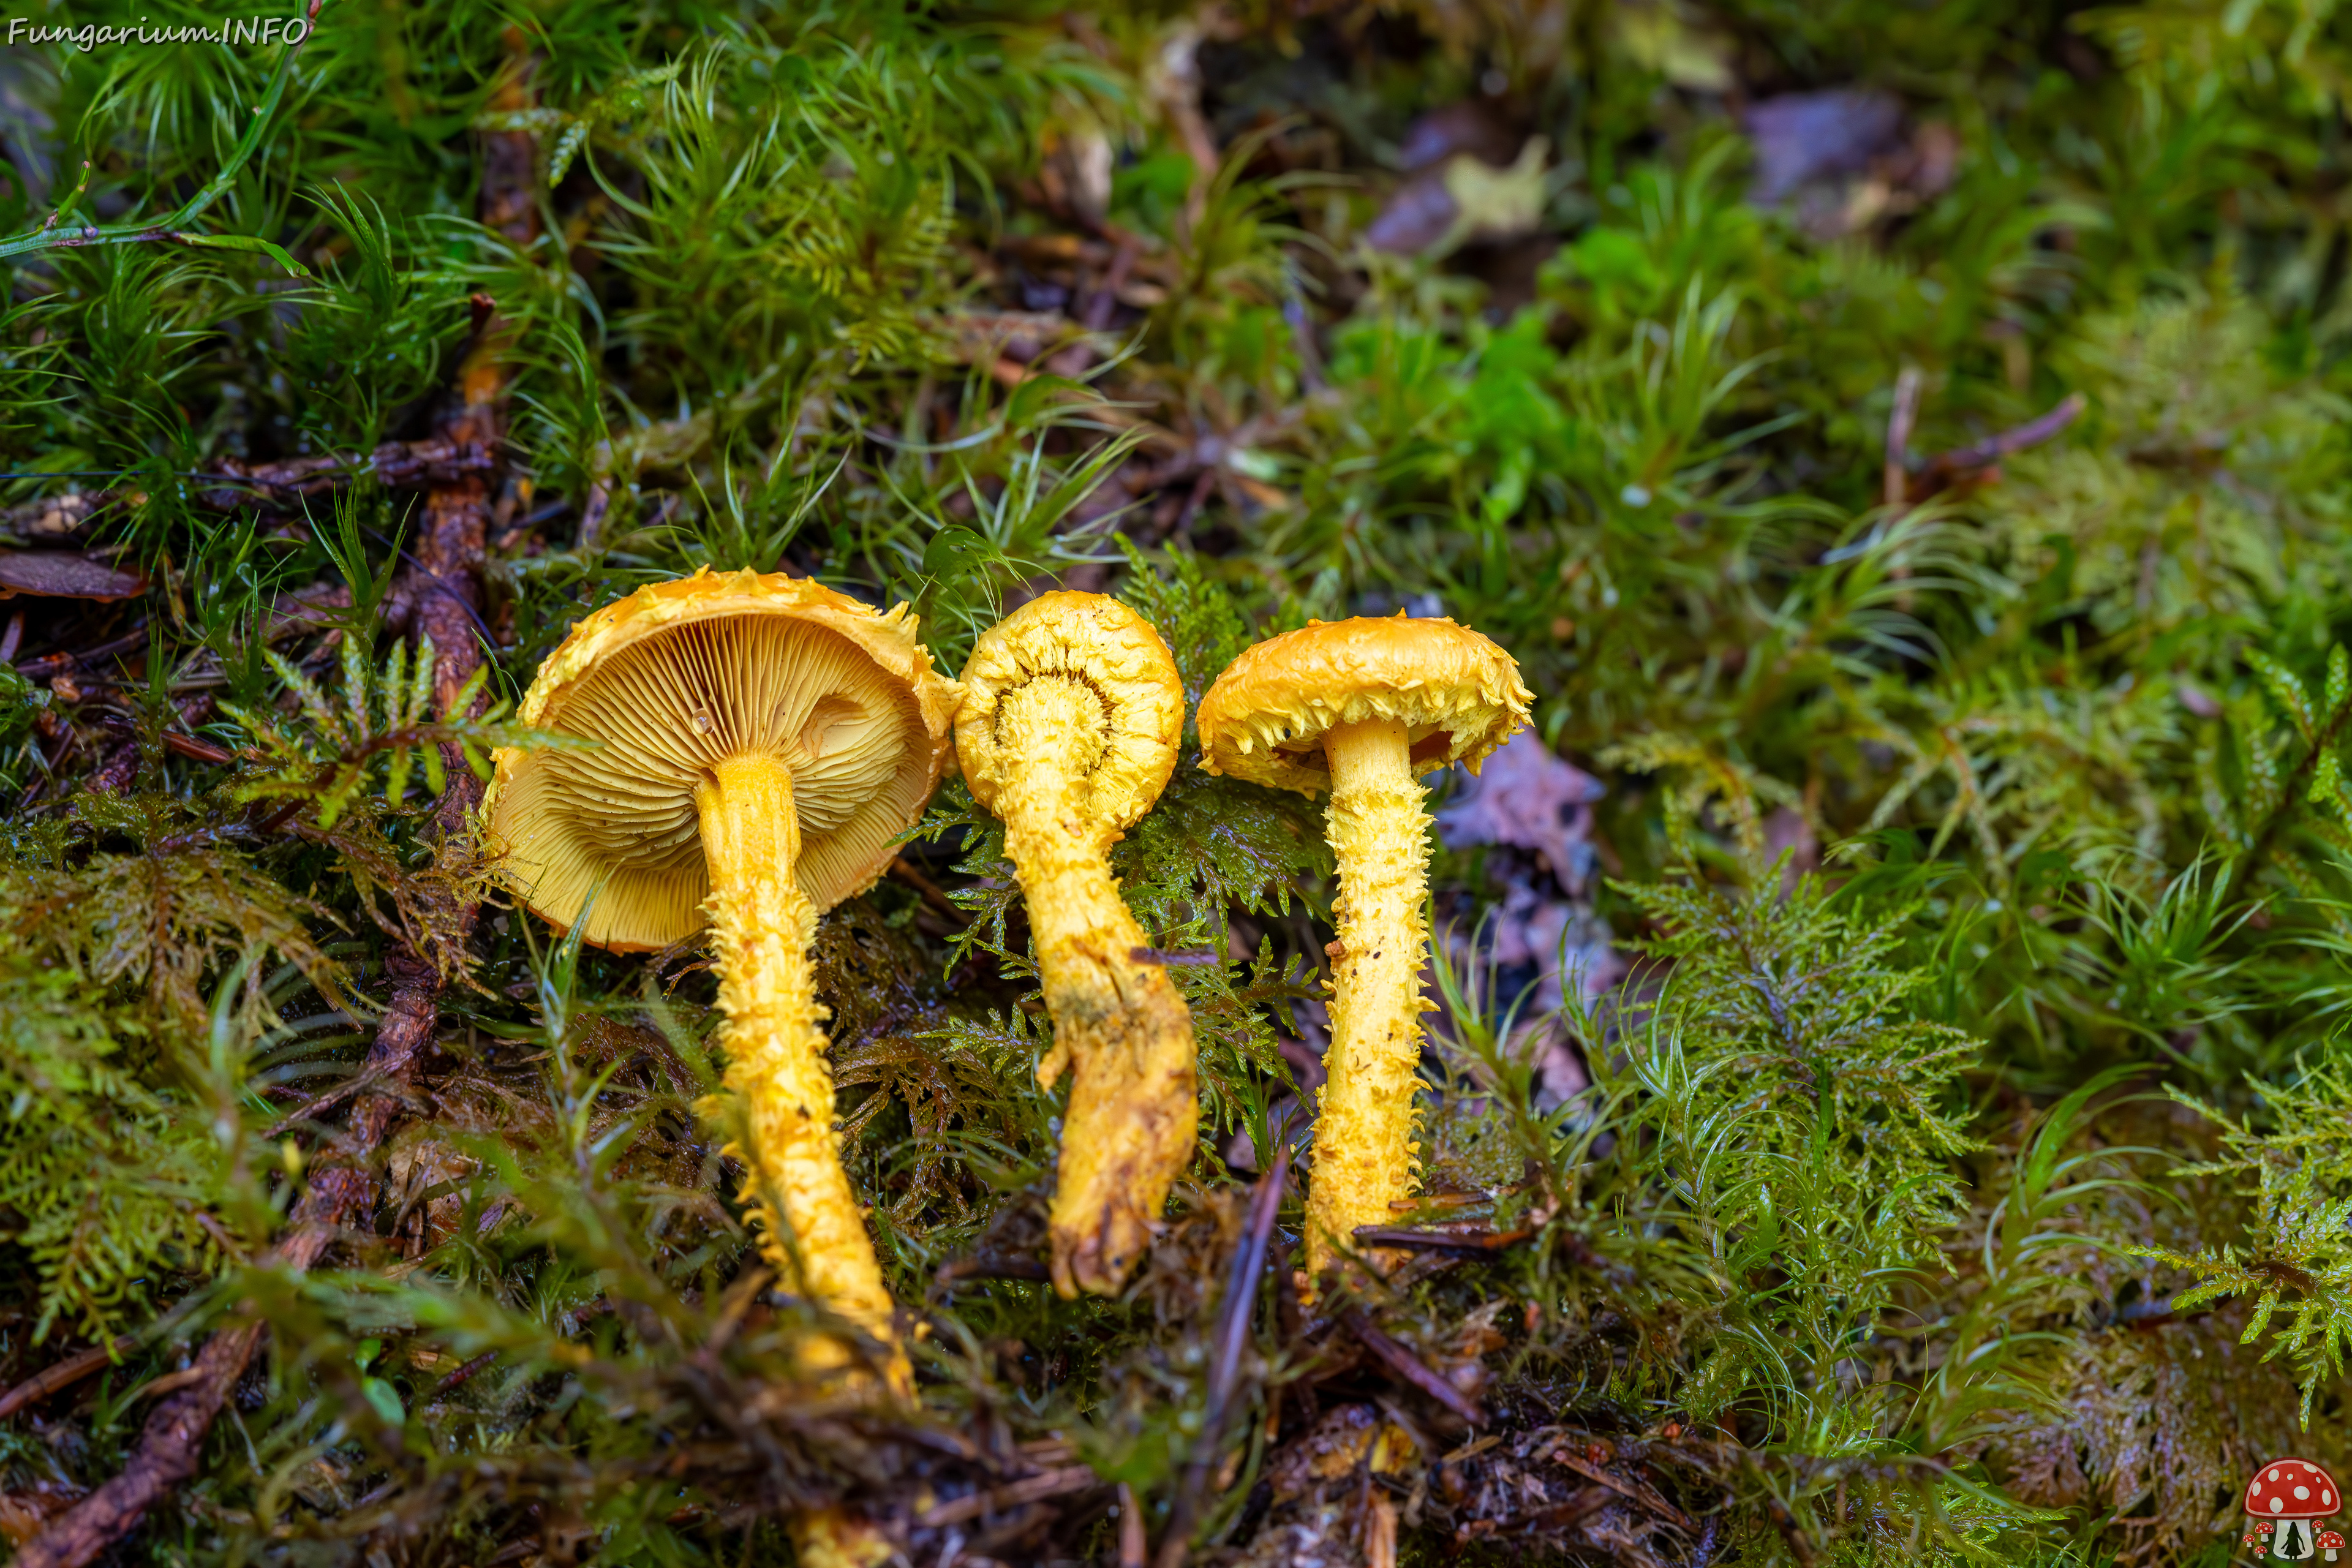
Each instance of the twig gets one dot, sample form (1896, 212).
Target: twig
(1411, 1367)
(1801, 1545)
(231, 485)
(170, 1446)
(51, 664)
(1013, 1494)
(1896, 481)
(196, 750)
(173, 229)
(1440, 1240)
(459, 1378)
(932, 893)
(396, 465)
(1946, 467)
(449, 553)
(2259, 846)
(1131, 1545)
(65, 1374)
(1646, 1496)
(1233, 1337)
(1179, 958)
(957, 1271)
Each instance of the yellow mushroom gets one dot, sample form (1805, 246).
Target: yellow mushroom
(1071, 717)
(765, 742)
(1361, 707)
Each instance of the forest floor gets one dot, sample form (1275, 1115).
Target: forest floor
(1885, 1097)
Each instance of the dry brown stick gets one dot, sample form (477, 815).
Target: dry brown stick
(229, 485)
(1647, 1497)
(1013, 1494)
(932, 893)
(1412, 1368)
(398, 465)
(1233, 1337)
(1896, 478)
(41, 668)
(1945, 468)
(1131, 1544)
(448, 556)
(64, 1374)
(170, 1446)
(464, 1373)
(1440, 1240)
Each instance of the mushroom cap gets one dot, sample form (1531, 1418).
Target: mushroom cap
(1456, 692)
(2331, 1540)
(1105, 648)
(2292, 1489)
(681, 675)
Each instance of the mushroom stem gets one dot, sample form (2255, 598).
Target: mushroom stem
(1364, 1134)
(762, 925)
(836, 1538)
(1118, 1020)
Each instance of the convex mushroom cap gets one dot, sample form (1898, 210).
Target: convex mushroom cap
(2292, 1489)
(680, 675)
(1458, 695)
(1072, 716)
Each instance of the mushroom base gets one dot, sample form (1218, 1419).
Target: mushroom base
(812, 1229)
(836, 1538)
(1120, 1027)
(1364, 1151)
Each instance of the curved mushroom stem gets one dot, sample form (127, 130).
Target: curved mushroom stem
(1363, 1133)
(1118, 1020)
(762, 925)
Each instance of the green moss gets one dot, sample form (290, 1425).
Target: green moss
(1955, 1176)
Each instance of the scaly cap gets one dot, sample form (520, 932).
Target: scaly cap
(1456, 692)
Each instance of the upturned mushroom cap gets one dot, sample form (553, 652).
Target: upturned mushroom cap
(1134, 693)
(680, 674)
(2292, 1489)
(1458, 695)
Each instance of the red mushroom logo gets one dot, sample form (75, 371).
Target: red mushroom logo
(2282, 1501)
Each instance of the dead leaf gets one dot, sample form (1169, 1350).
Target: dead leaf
(59, 575)
(1805, 137)
(1471, 126)
(1529, 798)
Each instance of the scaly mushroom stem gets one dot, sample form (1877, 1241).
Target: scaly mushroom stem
(762, 925)
(1363, 1131)
(1117, 1021)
